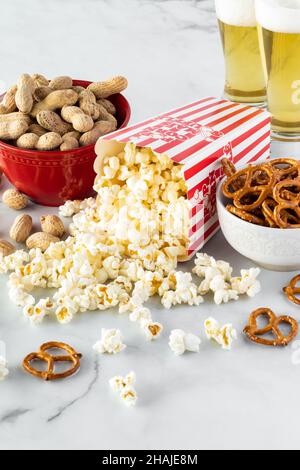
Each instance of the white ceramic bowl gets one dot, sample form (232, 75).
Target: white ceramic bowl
(274, 249)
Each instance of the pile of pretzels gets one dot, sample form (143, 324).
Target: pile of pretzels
(267, 194)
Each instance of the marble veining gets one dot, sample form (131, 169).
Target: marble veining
(171, 52)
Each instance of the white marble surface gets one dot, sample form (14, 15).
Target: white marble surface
(246, 398)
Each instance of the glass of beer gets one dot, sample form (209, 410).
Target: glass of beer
(245, 79)
(279, 35)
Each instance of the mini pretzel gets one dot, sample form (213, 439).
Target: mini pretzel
(255, 334)
(229, 170)
(250, 188)
(42, 355)
(268, 207)
(228, 167)
(285, 168)
(292, 290)
(247, 216)
(270, 192)
(287, 201)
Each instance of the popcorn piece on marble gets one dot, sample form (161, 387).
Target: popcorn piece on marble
(64, 315)
(247, 283)
(224, 336)
(180, 342)
(111, 342)
(139, 314)
(151, 329)
(125, 388)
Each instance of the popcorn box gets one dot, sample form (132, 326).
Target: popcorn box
(198, 136)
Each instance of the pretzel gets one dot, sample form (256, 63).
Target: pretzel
(229, 170)
(266, 194)
(285, 168)
(247, 216)
(44, 356)
(228, 167)
(291, 291)
(268, 207)
(255, 334)
(250, 188)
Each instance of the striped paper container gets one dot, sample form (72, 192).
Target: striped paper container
(198, 136)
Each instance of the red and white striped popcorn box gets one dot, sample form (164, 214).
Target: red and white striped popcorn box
(198, 136)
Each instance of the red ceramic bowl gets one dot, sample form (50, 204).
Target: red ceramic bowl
(52, 178)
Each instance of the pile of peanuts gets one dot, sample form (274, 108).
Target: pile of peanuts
(48, 115)
(52, 227)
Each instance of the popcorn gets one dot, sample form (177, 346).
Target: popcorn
(224, 336)
(129, 396)
(218, 279)
(35, 313)
(110, 343)
(124, 248)
(203, 262)
(20, 297)
(118, 383)
(71, 208)
(180, 342)
(183, 290)
(139, 314)
(3, 368)
(152, 330)
(64, 315)
(124, 386)
(247, 283)
(112, 266)
(14, 261)
(223, 292)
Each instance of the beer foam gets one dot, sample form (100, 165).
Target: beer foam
(236, 12)
(279, 16)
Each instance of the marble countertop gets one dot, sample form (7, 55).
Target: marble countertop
(246, 398)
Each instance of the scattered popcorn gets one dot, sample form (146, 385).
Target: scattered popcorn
(3, 368)
(124, 248)
(20, 297)
(247, 283)
(151, 330)
(129, 396)
(180, 342)
(217, 278)
(71, 208)
(111, 342)
(139, 314)
(182, 290)
(35, 313)
(224, 336)
(64, 315)
(118, 383)
(124, 386)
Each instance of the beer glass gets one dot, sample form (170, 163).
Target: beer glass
(245, 79)
(279, 35)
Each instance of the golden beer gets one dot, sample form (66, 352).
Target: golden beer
(245, 79)
(280, 45)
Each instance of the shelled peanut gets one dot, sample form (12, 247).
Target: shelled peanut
(51, 115)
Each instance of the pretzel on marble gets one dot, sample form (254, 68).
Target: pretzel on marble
(256, 334)
(291, 291)
(42, 355)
